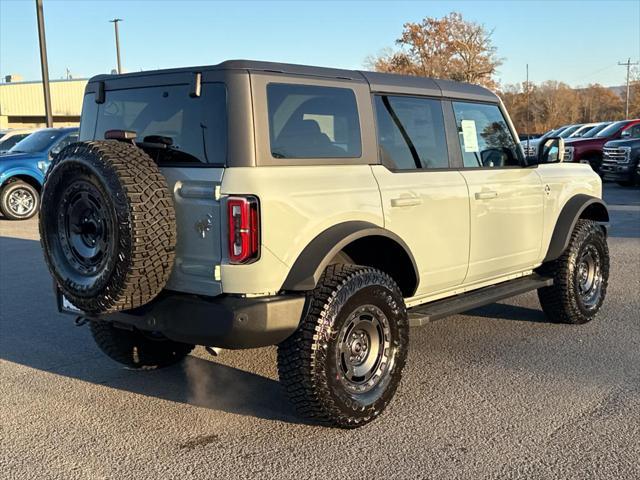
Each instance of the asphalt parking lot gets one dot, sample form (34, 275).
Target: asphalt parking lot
(495, 393)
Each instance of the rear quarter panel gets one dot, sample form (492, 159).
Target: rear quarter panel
(297, 203)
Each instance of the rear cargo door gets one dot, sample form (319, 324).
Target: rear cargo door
(196, 188)
(198, 221)
(181, 122)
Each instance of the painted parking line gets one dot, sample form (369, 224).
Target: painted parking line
(624, 208)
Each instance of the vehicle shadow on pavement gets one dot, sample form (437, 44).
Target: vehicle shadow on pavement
(34, 334)
(504, 311)
(207, 384)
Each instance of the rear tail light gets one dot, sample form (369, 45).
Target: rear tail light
(244, 229)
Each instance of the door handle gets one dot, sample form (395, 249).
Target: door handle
(486, 195)
(406, 201)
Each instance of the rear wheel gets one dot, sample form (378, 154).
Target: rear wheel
(344, 363)
(580, 276)
(19, 200)
(137, 349)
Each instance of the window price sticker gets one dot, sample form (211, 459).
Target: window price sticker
(470, 136)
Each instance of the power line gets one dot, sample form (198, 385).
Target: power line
(593, 74)
(628, 64)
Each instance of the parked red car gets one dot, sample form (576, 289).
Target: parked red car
(589, 150)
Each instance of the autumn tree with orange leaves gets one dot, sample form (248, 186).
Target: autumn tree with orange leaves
(457, 49)
(449, 47)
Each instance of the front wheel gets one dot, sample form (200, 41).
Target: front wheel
(580, 275)
(19, 200)
(344, 363)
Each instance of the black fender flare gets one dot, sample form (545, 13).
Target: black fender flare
(572, 211)
(315, 257)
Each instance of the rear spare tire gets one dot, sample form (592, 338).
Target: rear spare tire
(107, 226)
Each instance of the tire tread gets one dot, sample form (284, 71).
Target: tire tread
(148, 207)
(558, 301)
(301, 356)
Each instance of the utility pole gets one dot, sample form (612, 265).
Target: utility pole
(44, 64)
(115, 25)
(528, 120)
(627, 64)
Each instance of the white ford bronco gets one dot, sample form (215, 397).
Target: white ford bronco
(325, 211)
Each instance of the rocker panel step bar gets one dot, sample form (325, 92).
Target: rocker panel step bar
(424, 314)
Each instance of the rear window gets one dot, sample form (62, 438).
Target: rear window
(11, 141)
(37, 142)
(569, 131)
(611, 129)
(594, 130)
(196, 126)
(313, 122)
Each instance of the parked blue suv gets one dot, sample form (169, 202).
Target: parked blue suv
(22, 170)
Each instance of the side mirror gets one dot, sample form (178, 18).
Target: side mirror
(625, 133)
(551, 151)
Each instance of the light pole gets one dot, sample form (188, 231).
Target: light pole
(115, 25)
(44, 64)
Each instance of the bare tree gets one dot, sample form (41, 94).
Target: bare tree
(449, 47)
(599, 103)
(554, 104)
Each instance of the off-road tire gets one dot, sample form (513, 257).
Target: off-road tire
(308, 366)
(136, 349)
(562, 302)
(133, 223)
(10, 188)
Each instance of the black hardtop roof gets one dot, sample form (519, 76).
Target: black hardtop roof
(379, 82)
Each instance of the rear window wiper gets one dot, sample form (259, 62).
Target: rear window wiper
(164, 151)
(156, 141)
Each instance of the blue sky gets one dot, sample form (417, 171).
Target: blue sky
(578, 42)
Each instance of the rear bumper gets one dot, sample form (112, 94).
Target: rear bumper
(226, 322)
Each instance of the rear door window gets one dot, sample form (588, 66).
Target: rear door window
(68, 140)
(485, 138)
(411, 132)
(11, 141)
(633, 132)
(195, 127)
(308, 121)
